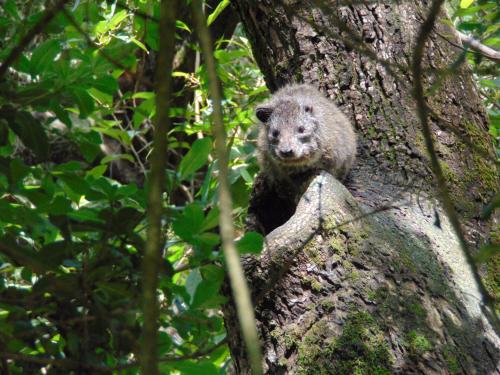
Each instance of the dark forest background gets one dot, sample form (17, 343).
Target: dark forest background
(77, 107)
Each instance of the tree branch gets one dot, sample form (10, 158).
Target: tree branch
(477, 46)
(91, 43)
(422, 112)
(71, 364)
(154, 244)
(37, 28)
(239, 286)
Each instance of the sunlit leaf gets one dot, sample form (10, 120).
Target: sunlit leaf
(218, 10)
(251, 242)
(465, 3)
(196, 157)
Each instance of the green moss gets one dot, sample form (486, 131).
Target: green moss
(316, 285)
(290, 340)
(451, 360)
(492, 279)
(338, 244)
(417, 344)
(371, 295)
(484, 172)
(354, 276)
(313, 253)
(327, 303)
(450, 177)
(276, 333)
(404, 308)
(360, 349)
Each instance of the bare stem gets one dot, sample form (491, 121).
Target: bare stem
(237, 279)
(149, 350)
(423, 114)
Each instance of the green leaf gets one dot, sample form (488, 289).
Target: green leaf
(110, 158)
(250, 243)
(220, 7)
(31, 133)
(98, 171)
(106, 84)
(181, 25)
(43, 57)
(208, 239)
(193, 280)
(206, 291)
(86, 214)
(61, 113)
(100, 96)
(190, 222)
(71, 166)
(212, 219)
(144, 95)
(23, 256)
(139, 44)
(465, 3)
(89, 145)
(83, 100)
(105, 26)
(469, 26)
(164, 343)
(195, 368)
(196, 157)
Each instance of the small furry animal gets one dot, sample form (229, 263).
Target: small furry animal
(303, 131)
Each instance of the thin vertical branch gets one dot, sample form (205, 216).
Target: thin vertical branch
(149, 350)
(423, 114)
(237, 279)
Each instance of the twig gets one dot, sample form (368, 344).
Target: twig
(477, 46)
(36, 29)
(422, 112)
(137, 12)
(132, 148)
(71, 364)
(188, 266)
(91, 43)
(154, 244)
(237, 279)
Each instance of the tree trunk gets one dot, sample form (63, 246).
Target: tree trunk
(340, 289)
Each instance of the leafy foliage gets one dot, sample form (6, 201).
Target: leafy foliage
(75, 138)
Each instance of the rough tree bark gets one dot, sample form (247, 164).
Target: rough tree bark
(338, 290)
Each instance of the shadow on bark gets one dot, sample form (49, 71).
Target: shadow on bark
(377, 295)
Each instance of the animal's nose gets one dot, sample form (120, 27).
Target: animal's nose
(286, 152)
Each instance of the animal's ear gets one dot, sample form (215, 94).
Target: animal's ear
(263, 113)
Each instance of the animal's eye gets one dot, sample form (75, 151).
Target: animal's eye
(301, 129)
(308, 109)
(275, 133)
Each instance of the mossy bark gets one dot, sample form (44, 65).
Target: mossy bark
(346, 291)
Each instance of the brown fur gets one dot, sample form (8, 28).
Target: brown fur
(303, 131)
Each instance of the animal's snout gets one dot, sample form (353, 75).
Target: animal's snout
(286, 152)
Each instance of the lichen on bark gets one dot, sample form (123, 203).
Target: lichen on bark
(384, 248)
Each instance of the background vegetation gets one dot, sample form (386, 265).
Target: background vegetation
(76, 109)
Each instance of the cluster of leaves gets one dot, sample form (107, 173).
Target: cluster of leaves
(72, 226)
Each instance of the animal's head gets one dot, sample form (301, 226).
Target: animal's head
(290, 127)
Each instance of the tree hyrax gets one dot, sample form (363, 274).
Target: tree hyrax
(303, 131)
